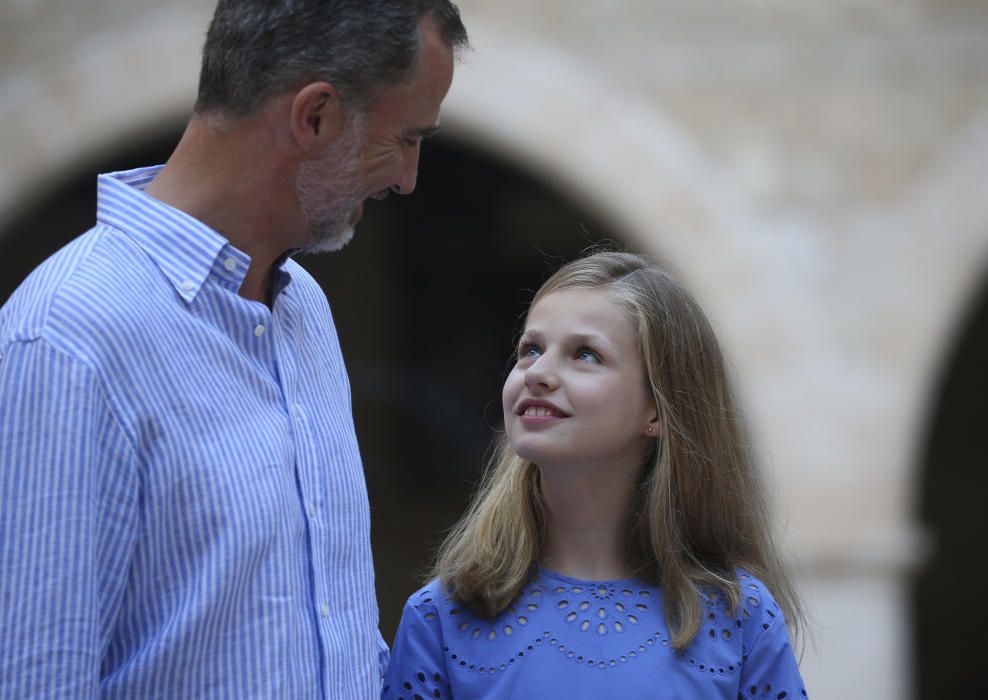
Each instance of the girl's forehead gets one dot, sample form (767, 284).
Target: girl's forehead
(568, 298)
(594, 307)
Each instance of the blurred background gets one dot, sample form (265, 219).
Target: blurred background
(816, 172)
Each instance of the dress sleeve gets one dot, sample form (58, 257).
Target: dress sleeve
(417, 668)
(770, 669)
(68, 522)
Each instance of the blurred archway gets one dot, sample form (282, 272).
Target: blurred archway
(426, 299)
(950, 617)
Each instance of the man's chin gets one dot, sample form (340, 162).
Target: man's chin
(332, 242)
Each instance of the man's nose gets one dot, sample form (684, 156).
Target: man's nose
(409, 174)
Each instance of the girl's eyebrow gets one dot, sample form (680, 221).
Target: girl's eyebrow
(574, 338)
(594, 339)
(525, 338)
(590, 338)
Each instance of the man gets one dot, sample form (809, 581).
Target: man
(183, 511)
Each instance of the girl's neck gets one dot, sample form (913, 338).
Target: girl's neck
(587, 523)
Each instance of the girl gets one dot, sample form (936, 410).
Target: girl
(618, 545)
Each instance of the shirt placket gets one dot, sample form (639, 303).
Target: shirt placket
(310, 496)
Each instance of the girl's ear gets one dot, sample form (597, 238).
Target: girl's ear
(653, 428)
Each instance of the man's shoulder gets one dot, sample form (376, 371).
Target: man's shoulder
(82, 290)
(27, 312)
(310, 297)
(303, 284)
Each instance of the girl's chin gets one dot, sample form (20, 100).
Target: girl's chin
(541, 456)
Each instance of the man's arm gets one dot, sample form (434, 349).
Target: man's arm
(68, 512)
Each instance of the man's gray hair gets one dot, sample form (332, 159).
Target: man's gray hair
(256, 49)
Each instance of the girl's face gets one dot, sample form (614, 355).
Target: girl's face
(577, 394)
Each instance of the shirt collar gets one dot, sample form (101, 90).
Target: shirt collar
(186, 250)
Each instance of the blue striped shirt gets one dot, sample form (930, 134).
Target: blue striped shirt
(183, 511)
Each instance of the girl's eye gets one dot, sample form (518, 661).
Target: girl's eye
(587, 355)
(528, 350)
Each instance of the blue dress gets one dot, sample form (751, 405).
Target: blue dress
(573, 639)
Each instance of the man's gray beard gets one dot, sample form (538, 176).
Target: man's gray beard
(329, 190)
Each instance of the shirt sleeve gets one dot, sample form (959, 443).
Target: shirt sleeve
(68, 518)
(383, 654)
(770, 668)
(417, 667)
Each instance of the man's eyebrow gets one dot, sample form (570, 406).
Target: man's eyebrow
(423, 132)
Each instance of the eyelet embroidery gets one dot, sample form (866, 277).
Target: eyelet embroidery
(767, 691)
(423, 686)
(601, 609)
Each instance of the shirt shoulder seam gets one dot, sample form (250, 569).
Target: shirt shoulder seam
(45, 339)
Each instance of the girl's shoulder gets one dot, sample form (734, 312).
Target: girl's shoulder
(757, 603)
(433, 597)
(429, 591)
(756, 613)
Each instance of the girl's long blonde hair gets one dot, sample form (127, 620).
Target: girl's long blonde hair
(699, 511)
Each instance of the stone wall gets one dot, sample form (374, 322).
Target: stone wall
(816, 173)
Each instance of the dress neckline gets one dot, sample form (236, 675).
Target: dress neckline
(546, 572)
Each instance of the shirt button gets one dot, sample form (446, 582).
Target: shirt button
(259, 330)
(188, 286)
(325, 610)
(230, 264)
(312, 509)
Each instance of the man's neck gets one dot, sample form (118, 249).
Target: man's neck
(228, 175)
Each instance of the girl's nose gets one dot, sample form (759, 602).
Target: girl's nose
(540, 375)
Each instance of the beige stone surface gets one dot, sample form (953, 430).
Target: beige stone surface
(816, 171)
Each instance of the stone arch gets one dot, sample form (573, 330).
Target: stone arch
(570, 124)
(949, 498)
(540, 107)
(123, 84)
(605, 146)
(609, 148)
(515, 97)
(945, 216)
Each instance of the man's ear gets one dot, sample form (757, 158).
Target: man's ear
(317, 116)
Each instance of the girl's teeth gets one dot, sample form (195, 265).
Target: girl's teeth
(538, 411)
